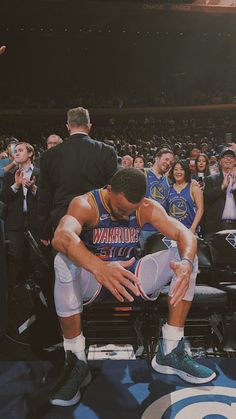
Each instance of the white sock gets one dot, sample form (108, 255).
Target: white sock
(77, 346)
(171, 336)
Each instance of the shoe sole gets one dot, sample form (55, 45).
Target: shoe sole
(76, 398)
(185, 376)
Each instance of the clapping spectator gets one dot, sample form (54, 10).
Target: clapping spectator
(20, 196)
(220, 196)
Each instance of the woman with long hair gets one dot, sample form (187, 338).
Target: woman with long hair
(185, 200)
(202, 165)
(139, 162)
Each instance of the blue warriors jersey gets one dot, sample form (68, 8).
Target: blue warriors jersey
(158, 188)
(111, 239)
(181, 205)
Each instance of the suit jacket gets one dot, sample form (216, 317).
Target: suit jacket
(214, 203)
(13, 213)
(72, 168)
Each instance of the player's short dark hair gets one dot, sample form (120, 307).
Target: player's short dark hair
(132, 182)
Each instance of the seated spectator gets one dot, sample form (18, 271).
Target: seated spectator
(220, 196)
(127, 161)
(194, 153)
(53, 140)
(185, 199)
(139, 162)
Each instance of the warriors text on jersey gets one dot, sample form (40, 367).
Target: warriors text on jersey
(111, 239)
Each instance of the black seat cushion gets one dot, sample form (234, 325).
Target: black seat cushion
(223, 249)
(229, 288)
(204, 296)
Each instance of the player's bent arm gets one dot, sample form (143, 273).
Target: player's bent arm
(112, 275)
(66, 238)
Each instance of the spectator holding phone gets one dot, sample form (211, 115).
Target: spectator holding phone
(202, 169)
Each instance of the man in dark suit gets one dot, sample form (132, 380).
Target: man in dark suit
(20, 214)
(220, 196)
(73, 168)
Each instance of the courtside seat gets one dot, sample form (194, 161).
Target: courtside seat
(222, 246)
(206, 295)
(205, 298)
(139, 323)
(209, 304)
(230, 289)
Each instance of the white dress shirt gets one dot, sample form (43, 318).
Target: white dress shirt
(229, 212)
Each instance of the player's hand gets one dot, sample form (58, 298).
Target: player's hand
(183, 272)
(117, 279)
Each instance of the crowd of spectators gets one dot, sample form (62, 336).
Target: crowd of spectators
(192, 175)
(160, 98)
(200, 140)
(141, 135)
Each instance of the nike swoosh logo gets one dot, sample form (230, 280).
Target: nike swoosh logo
(104, 217)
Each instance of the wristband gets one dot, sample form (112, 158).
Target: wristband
(188, 260)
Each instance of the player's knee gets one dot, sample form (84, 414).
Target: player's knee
(65, 270)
